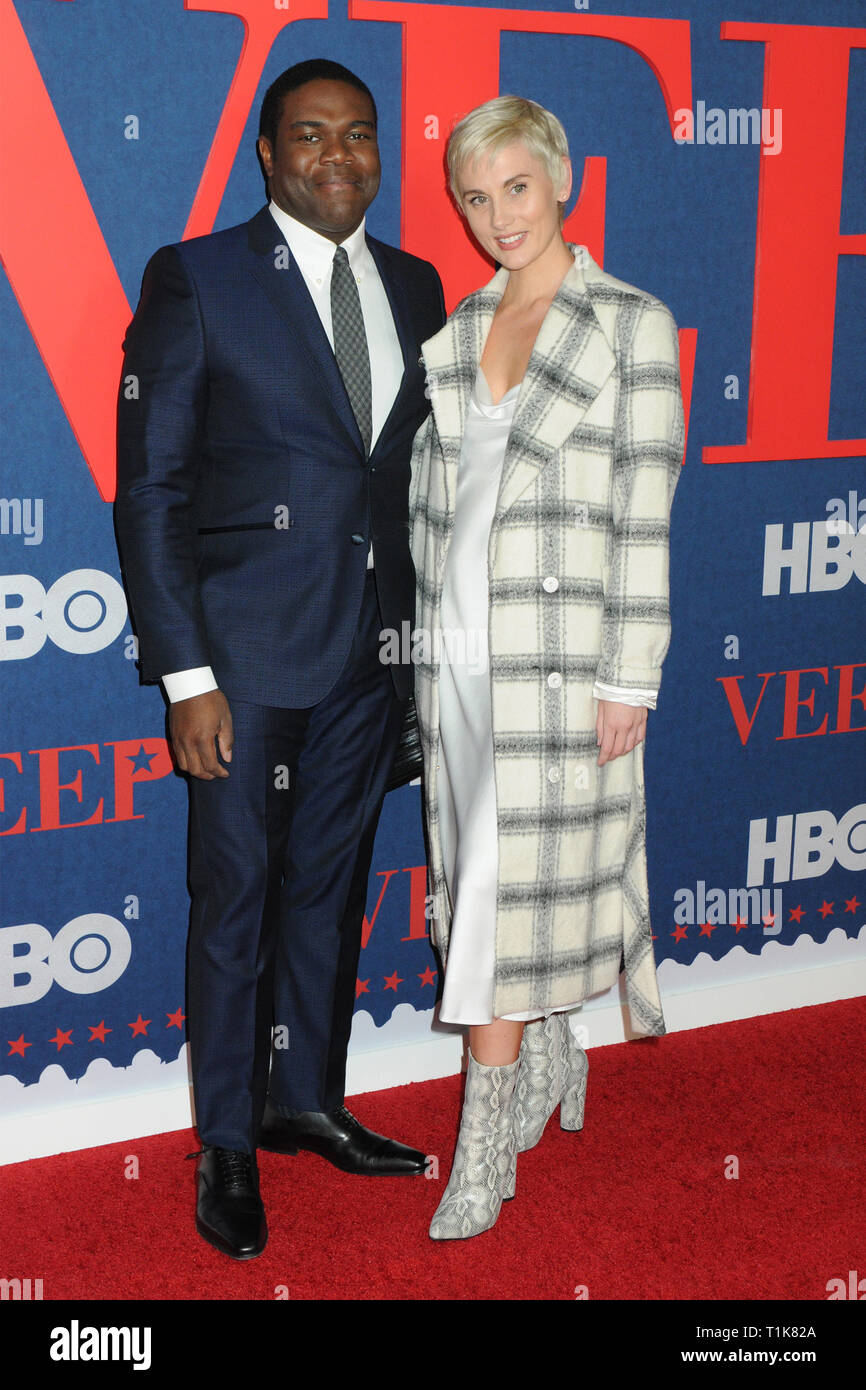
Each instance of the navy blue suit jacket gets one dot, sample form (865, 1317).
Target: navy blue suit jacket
(245, 505)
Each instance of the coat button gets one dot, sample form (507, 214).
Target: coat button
(553, 774)
(357, 538)
(554, 680)
(550, 584)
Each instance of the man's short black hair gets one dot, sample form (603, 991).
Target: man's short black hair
(313, 70)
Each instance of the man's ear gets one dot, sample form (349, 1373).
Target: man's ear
(266, 155)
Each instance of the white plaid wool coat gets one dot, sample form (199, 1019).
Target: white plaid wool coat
(578, 582)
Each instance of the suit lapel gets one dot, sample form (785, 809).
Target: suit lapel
(405, 332)
(284, 285)
(397, 301)
(570, 362)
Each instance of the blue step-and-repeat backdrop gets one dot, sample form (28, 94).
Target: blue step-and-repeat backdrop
(718, 142)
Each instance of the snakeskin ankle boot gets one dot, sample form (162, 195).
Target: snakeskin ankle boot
(485, 1160)
(552, 1072)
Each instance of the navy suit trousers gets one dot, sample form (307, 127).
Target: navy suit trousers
(280, 854)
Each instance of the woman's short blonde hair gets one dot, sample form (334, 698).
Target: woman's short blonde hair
(488, 129)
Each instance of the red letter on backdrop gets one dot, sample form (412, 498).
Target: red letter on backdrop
(21, 823)
(794, 700)
(262, 24)
(798, 245)
(368, 925)
(417, 903)
(731, 687)
(127, 775)
(847, 696)
(64, 277)
(465, 42)
(68, 288)
(50, 787)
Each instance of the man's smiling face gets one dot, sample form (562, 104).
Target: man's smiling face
(325, 168)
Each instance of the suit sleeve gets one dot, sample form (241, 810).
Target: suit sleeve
(440, 299)
(422, 445)
(648, 448)
(162, 406)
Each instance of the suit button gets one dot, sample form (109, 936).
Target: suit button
(357, 539)
(550, 584)
(553, 774)
(554, 680)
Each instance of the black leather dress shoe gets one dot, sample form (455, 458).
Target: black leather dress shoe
(341, 1139)
(229, 1212)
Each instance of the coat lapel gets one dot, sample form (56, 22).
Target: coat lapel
(570, 362)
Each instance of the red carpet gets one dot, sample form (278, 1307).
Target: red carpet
(636, 1206)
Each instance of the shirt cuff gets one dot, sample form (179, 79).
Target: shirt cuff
(640, 699)
(183, 685)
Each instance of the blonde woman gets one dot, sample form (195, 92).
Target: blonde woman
(540, 497)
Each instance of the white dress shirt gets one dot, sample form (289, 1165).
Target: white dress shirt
(314, 257)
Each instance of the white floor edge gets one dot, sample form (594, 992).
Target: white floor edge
(83, 1126)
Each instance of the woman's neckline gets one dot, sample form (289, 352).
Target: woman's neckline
(502, 399)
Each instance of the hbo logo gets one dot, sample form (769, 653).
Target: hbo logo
(82, 612)
(86, 955)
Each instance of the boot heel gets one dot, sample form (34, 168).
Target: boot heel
(571, 1109)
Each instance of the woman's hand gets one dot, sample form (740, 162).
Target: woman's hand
(618, 728)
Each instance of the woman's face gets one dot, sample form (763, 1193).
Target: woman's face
(512, 206)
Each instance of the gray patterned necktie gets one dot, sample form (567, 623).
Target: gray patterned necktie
(350, 343)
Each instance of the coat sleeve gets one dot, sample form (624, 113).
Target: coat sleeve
(421, 454)
(648, 449)
(162, 404)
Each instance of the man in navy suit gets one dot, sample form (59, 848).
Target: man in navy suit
(267, 408)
